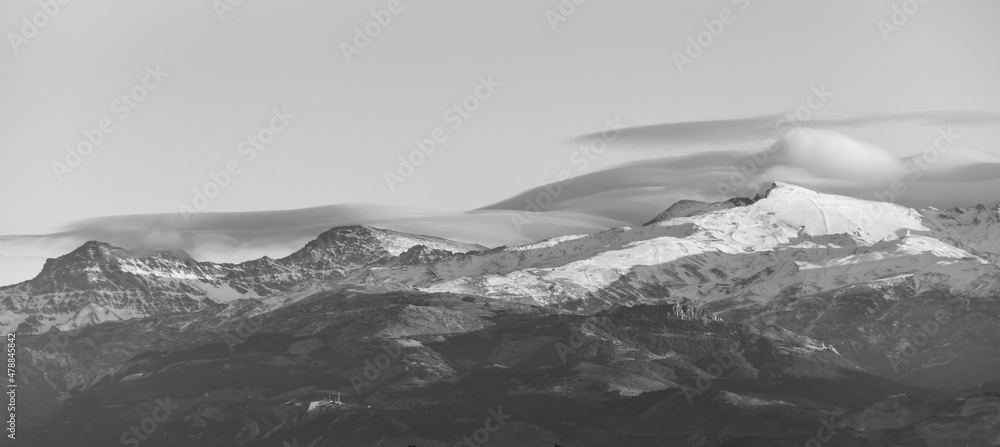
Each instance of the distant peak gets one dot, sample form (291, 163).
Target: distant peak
(103, 251)
(690, 208)
(346, 230)
(782, 187)
(174, 253)
(660, 313)
(95, 249)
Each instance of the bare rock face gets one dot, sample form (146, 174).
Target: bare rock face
(689, 208)
(976, 229)
(420, 254)
(650, 314)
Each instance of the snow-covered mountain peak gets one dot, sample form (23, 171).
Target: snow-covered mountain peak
(351, 247)
(392, 242)
(805, 211)
(96, 251)
(823, 214)
(174, 254)
(779, 188)
(794, 239)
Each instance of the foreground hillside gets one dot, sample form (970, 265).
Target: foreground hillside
(427, 369)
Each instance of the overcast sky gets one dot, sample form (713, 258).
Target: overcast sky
(223, 79)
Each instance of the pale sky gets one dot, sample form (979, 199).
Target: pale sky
(352, 120)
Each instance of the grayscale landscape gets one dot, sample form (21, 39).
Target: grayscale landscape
(565, 223)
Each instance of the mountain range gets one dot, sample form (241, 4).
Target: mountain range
(752, 321)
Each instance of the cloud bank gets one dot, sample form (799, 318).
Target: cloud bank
(944, 175)
(818, 157)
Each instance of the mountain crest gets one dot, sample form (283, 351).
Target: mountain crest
(152, 282)
(97, 251)
(690, 208)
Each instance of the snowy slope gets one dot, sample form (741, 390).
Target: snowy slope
(974, 229)
(791, 240)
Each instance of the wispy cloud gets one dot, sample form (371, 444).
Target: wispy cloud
(823, 160)
(767, 126)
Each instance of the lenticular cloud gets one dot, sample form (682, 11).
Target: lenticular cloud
(833, 155)
(819, 159)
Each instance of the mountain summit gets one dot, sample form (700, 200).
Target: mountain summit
(100, 279)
